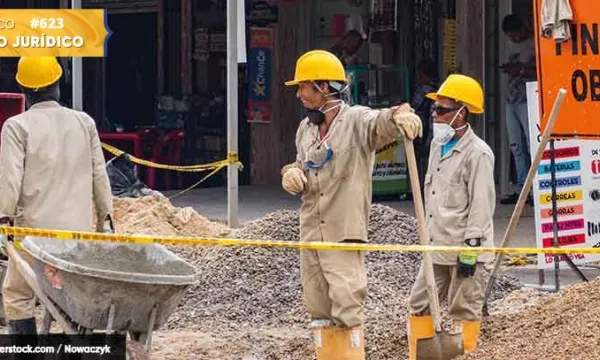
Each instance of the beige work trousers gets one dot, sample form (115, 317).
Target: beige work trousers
(335, 285)
(18, 298)
(465, 295)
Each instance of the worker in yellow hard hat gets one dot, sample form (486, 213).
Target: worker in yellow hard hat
(335, 147)
(460, 199)
(52, 173)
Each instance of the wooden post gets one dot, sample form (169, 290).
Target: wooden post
(186, 48)
(160, 47)
(469, 29)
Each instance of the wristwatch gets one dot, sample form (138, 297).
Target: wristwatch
(473, 242)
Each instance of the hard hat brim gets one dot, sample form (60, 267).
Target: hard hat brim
(432, 96)
(472, 109)
(292, 82)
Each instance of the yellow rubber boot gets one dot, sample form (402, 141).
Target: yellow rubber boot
(418, 327)
(470, 335)
(322, 336)
(333, 343)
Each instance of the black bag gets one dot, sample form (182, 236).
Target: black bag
(123, 178)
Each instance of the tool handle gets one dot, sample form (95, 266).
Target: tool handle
(434, 303)
(560, 96)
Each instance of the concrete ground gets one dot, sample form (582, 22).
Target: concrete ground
(258, 200)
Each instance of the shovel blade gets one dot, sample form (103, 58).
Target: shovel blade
(442, 346)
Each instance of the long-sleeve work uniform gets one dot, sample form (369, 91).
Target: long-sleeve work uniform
(336, 205)
(51, 172)
(460, 202)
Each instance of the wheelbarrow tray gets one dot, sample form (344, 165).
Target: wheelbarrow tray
(84, 278)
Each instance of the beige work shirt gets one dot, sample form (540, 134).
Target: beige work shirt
(460, 196)
(52, 169)
(336, 202)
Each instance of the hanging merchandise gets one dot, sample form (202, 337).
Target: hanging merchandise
(384, 15)
(424, 26)
(201, 44)
(338, 25)
(355, 22)
(449, 46)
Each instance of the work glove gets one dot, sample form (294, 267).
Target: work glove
(408, 122)
(467, 261)
(293, 180)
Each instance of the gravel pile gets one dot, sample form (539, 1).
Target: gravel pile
(517, 301)
(562, 326)
(250, 288)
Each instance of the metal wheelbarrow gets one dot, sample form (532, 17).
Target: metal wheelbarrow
(86, 286)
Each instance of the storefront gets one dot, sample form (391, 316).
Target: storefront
(164, 82)
(166, 69)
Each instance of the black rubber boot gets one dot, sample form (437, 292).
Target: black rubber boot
(22, 327)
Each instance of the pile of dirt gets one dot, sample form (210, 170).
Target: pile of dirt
(243, 288)
(155, 215)
(563, 326)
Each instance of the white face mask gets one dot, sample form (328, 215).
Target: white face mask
(443, 133)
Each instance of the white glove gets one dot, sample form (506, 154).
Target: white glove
(293, 180)
(408, 122)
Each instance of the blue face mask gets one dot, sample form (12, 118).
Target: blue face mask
(316, 166)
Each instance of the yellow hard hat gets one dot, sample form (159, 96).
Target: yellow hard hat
(463, 89)
(318, 65)
(36, 72)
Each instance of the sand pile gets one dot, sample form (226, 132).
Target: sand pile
(155, 215)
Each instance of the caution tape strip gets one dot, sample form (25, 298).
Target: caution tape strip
(232, 158)
(196, 241)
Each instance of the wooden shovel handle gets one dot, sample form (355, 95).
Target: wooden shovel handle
(434, 303)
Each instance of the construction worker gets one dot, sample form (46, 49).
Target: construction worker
(460, 200)
(335, 146)
(52, 171)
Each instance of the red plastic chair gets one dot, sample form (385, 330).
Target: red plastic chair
(11, 104)
(172, 142)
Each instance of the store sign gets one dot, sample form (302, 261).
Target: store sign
(390, 173)
(262, 13)
(575, 66)
(577, 192)
(260, 75)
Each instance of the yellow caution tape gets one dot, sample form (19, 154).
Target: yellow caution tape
(176, 240)
(232, 158)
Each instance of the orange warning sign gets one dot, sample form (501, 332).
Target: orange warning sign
(575, 66)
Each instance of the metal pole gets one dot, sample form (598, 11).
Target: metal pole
(555, 242)
(77, 73)
(554, 217)
(232, 112)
